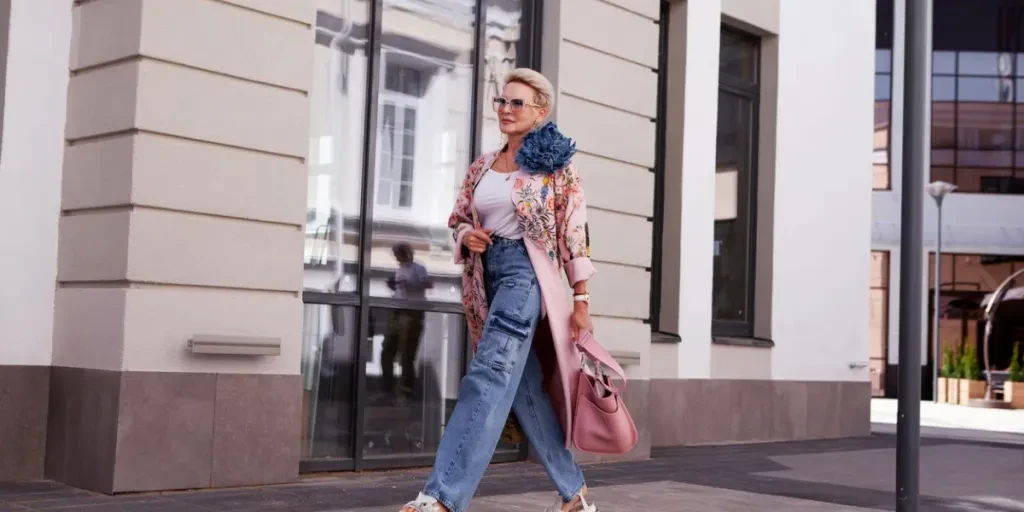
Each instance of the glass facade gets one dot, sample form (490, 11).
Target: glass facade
(736, 184)
(398, 112)
(881, 171)
(977, 106)
(965, 281)
(879, 320)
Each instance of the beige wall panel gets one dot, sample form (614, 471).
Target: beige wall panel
(102, 101)
(160, 321)
(93, 246)
(610, 29)
(266, 54)
(761, 15)
(734, 362)
(626, 335)
(620, 291)
(179, 248)
(296, 10)
(206, 178)
(620, 238)
(197, 105)
(179, 174)
(105, 31)
(584, 73)
(648, 8)
(97, 173)
(599, 130)
(614, 185)
(88, 329)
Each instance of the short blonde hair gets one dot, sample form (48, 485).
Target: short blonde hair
(541, 85)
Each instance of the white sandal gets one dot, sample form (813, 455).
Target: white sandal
(423, 503)
(584, 506)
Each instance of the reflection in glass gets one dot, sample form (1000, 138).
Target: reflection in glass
(500, 56)
(423, 140)
(327, 366)
(412, 379)
(984, 89)
(976, 138)
(944, 63)
(337, 101)
(732, 203)
(943, 88)
(738, 59)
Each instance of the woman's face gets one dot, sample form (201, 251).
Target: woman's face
(517, 108)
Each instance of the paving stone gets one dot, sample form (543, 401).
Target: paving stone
(843, 475)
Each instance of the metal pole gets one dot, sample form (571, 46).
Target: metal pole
(935, 313)
(916, 142)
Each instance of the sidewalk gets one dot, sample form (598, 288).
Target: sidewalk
(813, 476)
(1010, 421)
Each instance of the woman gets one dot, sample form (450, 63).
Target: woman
(519, 219)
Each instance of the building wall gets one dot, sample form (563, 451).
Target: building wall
(823, 212)
(804, 373)
(989, 224)
(183, 191)
(183, 197)
(607, 102)
(34, 99)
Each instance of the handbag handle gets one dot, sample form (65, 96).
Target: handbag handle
(590, 347)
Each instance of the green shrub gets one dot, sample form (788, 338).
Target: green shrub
(1016, 368)
(948, 369)
(970, 369)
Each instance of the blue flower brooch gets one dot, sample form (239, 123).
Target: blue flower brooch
(545, 150)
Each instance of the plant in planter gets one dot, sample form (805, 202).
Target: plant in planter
(1013, 390)
(947, 376)
(971, 383)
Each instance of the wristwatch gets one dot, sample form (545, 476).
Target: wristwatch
(583, 297)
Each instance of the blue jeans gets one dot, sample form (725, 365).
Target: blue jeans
(504, 374)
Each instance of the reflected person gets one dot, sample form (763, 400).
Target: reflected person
(519, 222)
(405, 326)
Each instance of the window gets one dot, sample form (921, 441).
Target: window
(881, 171)
(879, 323)
(977, 103)
(736, 185)
(397, 154)
(398, 112)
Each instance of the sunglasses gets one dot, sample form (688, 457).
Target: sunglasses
(515, 103)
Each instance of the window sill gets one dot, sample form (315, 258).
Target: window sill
(742, 341)
(665, 337)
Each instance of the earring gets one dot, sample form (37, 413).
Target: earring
(503, 141)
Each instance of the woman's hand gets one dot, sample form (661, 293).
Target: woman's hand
(477, 240)
(581, 320)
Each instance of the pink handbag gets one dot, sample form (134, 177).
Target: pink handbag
(601, 423)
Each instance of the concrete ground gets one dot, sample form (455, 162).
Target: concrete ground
(883, 411)
(814, 476)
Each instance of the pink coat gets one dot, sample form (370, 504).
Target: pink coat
(553, 216)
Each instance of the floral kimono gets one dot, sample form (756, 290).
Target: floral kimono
(553, 217)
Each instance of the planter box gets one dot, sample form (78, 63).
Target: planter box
(1013, 393)
(953, 391)
(971, 389)
(942, 390)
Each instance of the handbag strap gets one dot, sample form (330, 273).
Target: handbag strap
(589, 346)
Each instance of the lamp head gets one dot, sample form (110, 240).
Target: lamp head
(939, 189)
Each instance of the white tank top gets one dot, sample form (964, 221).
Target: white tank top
(493, 201)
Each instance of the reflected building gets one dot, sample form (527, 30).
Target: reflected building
(977, 140)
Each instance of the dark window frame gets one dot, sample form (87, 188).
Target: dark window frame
(528, 50)
(751, 92)
(658, 219)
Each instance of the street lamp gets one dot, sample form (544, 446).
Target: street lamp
(938, 190)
